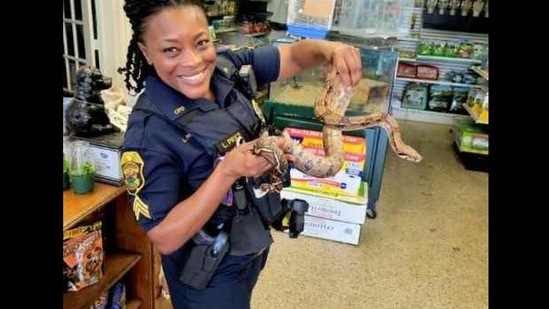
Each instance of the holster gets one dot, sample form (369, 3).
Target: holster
(269, 206)
(202, 263)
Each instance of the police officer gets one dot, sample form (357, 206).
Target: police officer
(187, 155)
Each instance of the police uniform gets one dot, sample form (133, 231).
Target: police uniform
(164, 164)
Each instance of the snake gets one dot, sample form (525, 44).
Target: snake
(329, 109)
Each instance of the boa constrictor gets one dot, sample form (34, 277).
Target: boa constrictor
(330, 108)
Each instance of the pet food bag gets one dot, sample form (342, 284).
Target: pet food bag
(83, 256)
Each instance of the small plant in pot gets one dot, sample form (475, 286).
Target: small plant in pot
(66, 181)
(82, 169)
(82, 178)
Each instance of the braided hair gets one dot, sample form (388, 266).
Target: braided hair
(138, 11)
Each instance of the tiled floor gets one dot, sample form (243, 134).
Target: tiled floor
(428, 247)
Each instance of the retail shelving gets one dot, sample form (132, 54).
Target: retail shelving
(480, 152)
(480, 72)
(129, 255)
(133, 304)
(116, 265)
(438, 82)
(444, 65)
(478, 117)
(447, 59)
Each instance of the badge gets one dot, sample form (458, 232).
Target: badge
(132, 168)
(140, 208)
(229, 142)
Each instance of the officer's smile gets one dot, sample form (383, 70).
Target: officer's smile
(193, 78)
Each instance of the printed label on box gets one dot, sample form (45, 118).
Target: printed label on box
(332, 230)
(347, 180)
(341, 208)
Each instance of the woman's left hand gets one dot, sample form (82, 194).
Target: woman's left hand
(346, 60)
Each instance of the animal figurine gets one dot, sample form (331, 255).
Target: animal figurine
(86, 115)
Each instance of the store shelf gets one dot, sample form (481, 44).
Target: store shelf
(408, 38)
(478, 152)
(226, 30)
(162, 303)
(133, 304)
(472, 161)
(438, 82)
(448, 59)
(116, 265)
(256, 34)
(407, 59)
(426, 116)
(477, 118)
(78, 206)
(480, 72)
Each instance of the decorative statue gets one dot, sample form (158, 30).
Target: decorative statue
(86, 116)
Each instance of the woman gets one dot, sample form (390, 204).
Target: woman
(187, 155)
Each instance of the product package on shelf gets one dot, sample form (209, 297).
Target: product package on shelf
(347, 181)
(83, 256)
(471, 137)
(415, 96)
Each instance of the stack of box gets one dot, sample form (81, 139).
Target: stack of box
(337, 204)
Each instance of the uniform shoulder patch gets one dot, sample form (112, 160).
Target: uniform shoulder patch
(132, 168)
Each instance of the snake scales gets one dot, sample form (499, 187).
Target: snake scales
(330, 108)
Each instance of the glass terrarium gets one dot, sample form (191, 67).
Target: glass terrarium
(291, 102)
(372, 94)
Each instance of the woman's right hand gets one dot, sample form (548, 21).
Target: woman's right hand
(242, 162)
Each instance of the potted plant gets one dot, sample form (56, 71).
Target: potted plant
(82, 169)
(82, 178)
(66, 182)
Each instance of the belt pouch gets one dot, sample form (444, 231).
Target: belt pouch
(201, 265)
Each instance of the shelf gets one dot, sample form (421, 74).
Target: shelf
(116, 265)
(447, 59)
(426, 116)
(408, 38)
(477, 118)
(438, 82)
(133, 304)
(77, 206)
(225, 30)
(407, 59)
(162, 303)
(456, 22)
(479, 152)
(480, 72)
(256, 34)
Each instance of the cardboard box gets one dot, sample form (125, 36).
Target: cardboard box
(332, 230)
(347, 180)
(342, 208)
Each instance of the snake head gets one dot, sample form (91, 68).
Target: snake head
(268, 149)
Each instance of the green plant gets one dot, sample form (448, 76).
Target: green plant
(83, 170)
(65, 164)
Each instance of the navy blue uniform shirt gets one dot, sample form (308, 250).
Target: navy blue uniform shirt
(160, 168)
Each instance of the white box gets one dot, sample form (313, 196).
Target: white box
(341, 207)
(332, 230)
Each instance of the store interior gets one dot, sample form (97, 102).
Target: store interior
(427, 248)
(413, 235)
